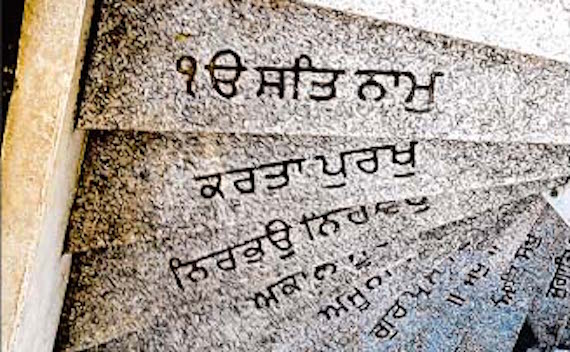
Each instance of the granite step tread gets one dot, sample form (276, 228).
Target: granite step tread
(437, 323)
(536, 27)
(496, 293)
(138, 186)
(122, 290)
(549, 315)
(291, 68)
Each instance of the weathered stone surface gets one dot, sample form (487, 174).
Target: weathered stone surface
(140, 186)
(537, 27)
(478, 92)
(549, 319)
(549, 315)
(565, 337)
(464, 281)
(132, 291)
(496, 292)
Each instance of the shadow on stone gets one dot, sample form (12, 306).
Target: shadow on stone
(526, 339)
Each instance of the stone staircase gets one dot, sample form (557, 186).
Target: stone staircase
(281, 176)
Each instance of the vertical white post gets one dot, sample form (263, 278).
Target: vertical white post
(41, 156)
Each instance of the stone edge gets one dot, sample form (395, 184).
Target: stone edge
(41, 159)
(482, 21)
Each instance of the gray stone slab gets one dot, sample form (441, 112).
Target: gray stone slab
(491, 299)
(564, 338)
(143, 186)
(132, 289)
(549, 316)
(265, 67)
(537, 27)
(436, 324)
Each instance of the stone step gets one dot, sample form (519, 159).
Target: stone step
(289, 68)
(133, 289)
(496, 293)
(144, 186)
(549, 316)
(538, 27)
(465, 284)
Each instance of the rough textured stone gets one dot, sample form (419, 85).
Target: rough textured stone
(549, 316)
(437, 323)
(131, 290)
(498, 292)
(537, 27)
(140, 186)
(564, 338)
(484, 93)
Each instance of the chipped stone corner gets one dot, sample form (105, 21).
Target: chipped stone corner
(559, 199)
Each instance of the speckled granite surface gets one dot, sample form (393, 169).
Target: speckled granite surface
(313, 181)
(130, 295)
(497, 291)
(537, 27)
(143, 186)
(466, 286)
(171, 66)
(549, 316)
